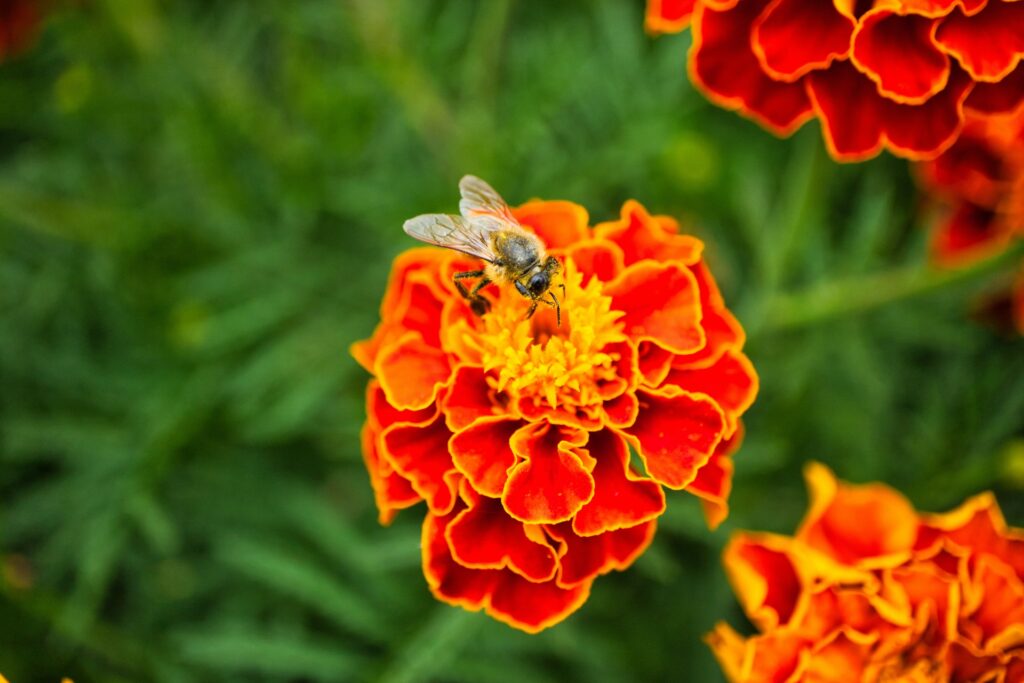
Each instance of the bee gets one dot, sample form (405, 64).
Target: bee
(488, 230)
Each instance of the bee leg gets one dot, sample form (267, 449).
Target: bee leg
(533, 307)
(477, 303)
(558, 309)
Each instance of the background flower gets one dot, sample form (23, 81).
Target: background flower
(897, 75)
(517, 432)
(18, 22)
(868, 589)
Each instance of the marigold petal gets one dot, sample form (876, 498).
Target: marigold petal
(411, 372)
(714, 481)
(448, 580)
(854, 133)
(723, 66)
(597, 258)
(468, 399)
(391, 491)
(840, 658)
(731, 382)
(503, 594)
(721, 330)
(420, 454)
(763, 574)
(1003, 97)
(550, 484)
(622, 498)
(897, 52)
(621, 412)
(483, 536)
(642, 236)
(583, 558)
(969, 233)
(994, 601)
(482, 453)
(977, 525)
(559, 224)
(655, 362)
(988, 44)
(661, 303)
(533, 607)
(668, 16)
(675, 435)
(862, 525)
(794, 37)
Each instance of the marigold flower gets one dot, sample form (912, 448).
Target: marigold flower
(897, 74)
(517, 433)
(18, 22)
(868, 589)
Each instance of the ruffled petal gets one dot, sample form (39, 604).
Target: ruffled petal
(661, 303)
(503, 594)
(721, 329)
(763, 574)
(989, 44)
(675, 435)
(655, 362)
(482, 453)
(483, 536)
(1003, 97)
(468, 399)
(770, 658)
(713, 482)
(731, 382)
(550, 484)
(668, 16)
(597, 258)
(583, 558)
(724, 67)
(971, 232)
(642, 236)
(391, 491)
(557, 223)
(420, 454)
(857, 122)
(794, 37)
(863, 525)
(897, 52)
(622, 498)
(411, 372)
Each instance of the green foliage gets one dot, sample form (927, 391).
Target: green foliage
(199, 203)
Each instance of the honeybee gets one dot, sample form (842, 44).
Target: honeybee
(488, 230)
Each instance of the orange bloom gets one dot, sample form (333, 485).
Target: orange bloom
(517, 432)
(897, 74)
(871, 590)
(18, 22)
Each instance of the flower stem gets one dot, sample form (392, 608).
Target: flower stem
(846, 297)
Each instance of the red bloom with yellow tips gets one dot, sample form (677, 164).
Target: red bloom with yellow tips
(892, 74)
(517, 433)
(870, 590)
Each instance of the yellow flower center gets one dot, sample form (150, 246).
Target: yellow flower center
(563, 365)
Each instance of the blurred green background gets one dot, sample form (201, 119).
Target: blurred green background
(199, 203)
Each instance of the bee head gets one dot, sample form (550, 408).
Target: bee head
(539, 283)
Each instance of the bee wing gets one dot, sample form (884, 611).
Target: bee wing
(480, 199)
(454, 232)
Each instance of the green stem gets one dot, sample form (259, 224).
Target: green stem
(856, 295)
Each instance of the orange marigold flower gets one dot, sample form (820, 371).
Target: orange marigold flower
(868, 589)
(517, 432)
(897, 74)
(18, 22)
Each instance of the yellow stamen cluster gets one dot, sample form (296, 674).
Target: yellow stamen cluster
(563, 365)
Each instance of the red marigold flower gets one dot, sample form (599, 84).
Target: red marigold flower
(18, 22)
(897, 75)
(517, 432)
(868, 589)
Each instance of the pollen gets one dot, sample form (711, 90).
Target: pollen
(562, 366)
